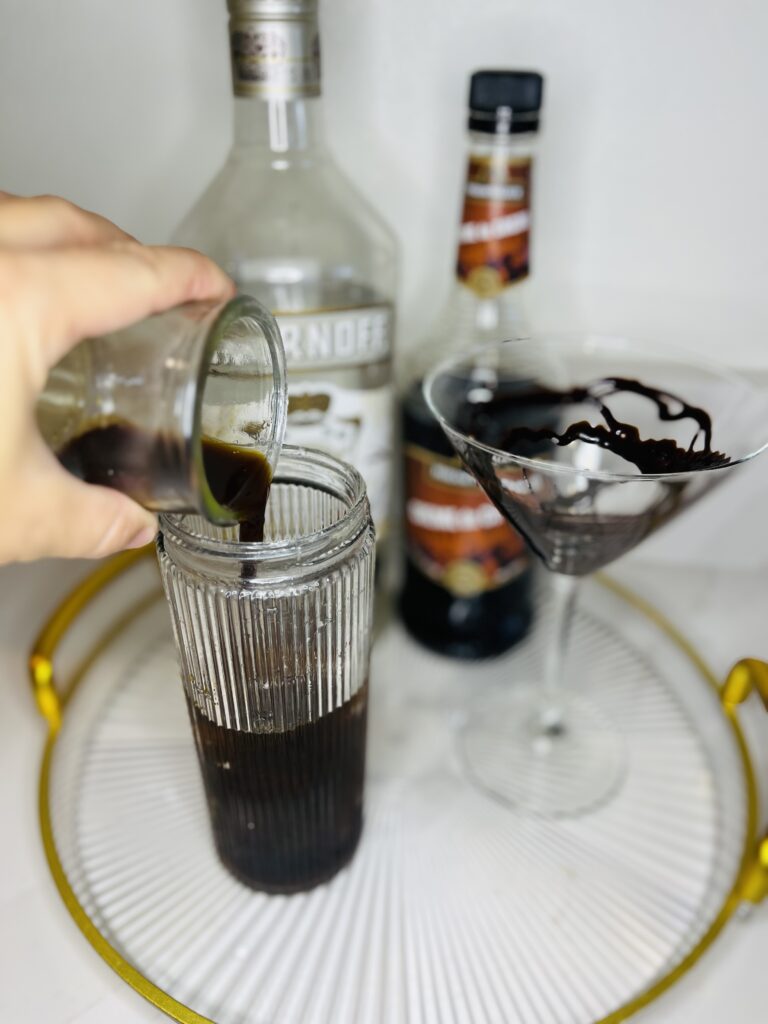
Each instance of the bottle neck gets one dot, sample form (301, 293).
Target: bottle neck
(494, 237)
(275, 53)
(277, 124)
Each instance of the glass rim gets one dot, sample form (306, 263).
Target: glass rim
(679, 356)
(292, 466)
(222, 317)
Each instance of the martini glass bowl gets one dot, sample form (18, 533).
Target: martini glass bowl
(581, 505)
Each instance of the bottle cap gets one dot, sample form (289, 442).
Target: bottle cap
(272, 8)
(505, 102)
(275, 47)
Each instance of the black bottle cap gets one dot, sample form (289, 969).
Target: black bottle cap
(505, 102)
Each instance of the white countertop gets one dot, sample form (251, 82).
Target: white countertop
(50, 975)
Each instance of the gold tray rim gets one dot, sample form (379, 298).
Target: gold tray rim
(51, 705)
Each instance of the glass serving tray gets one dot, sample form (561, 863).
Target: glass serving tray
(455, 909)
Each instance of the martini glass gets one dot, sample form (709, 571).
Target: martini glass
(580, 506)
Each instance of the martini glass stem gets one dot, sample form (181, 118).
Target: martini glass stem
(564, 592)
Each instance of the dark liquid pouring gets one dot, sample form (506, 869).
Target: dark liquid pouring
(239, 479)
(650, 455)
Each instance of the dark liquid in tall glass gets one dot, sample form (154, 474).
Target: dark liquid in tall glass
(286, 807)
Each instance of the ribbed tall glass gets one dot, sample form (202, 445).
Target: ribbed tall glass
(273, 643)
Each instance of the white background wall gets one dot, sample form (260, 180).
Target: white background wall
(651, 207)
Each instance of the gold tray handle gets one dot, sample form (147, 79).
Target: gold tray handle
(746, 676)
(750, 675)
(754, 885)
(47, 696)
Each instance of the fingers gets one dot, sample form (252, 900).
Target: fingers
(89, 521)
(62, 295)
(94, 521)
(66, 274)
(44, 222)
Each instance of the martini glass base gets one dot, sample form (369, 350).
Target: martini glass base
(559, 765)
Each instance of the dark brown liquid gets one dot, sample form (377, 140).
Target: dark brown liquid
(148, 467)
(650, 455)
(240, 479)
(286, 807)
(567, 530)
(151, 468)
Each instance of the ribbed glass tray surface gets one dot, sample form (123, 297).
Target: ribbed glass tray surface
(455, 909)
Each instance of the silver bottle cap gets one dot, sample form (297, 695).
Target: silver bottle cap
(273, 8)
(275, 48)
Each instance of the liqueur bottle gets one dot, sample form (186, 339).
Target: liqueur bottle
(467, 583)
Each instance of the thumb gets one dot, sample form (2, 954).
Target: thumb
(72, 519)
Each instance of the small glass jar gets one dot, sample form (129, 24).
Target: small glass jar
(273, 643)
(129, 410)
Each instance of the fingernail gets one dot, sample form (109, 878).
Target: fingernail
(145, 536)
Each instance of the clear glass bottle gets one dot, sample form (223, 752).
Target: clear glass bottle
(467, 579)
(293, 231)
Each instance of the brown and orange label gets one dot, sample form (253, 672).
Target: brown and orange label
(453, 532)
(494, 237)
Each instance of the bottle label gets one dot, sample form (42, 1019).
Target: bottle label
(355, 425)
(495, 225)
(275, 58)
(337, 338)
(455, 535)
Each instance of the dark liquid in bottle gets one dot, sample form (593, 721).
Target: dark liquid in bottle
(285, 806)
(483, 624)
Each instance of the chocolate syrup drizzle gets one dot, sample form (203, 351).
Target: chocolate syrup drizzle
(650, 455)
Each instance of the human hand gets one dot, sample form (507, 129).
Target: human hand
(66, 274)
